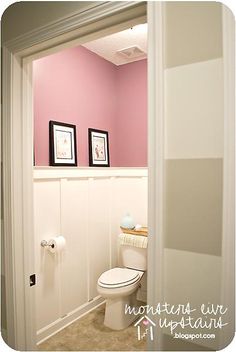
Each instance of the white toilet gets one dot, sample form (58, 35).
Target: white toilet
(120, 285)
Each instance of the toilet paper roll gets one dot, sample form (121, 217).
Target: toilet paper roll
(57, 244)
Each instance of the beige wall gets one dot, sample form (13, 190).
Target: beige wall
(194, 154)
(193, 32)
(3, 324)
(194, 205)
(23, 16)
(194, 128)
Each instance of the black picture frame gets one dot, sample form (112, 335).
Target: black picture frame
(103, 156)
(61, 134)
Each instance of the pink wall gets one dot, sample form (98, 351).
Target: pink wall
(79, 87)
(131, 142)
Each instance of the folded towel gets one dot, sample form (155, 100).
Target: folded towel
(133, 240)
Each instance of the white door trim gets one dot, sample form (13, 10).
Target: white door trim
(155, 160)
(17, 149)
(55, 32)
(228, 228)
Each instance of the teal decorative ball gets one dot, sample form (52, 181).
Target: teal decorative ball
(127, 222)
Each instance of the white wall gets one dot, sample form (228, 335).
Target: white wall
(194, 278)
(85, 206)
(194, 110)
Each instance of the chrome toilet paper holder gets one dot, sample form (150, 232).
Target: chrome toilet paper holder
(45, 243)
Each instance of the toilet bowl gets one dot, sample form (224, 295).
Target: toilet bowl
(119, 287)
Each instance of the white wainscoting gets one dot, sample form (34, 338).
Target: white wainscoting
(85, 205)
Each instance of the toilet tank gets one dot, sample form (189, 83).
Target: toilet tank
(133, 257)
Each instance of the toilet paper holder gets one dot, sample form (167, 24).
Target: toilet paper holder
(45, 243)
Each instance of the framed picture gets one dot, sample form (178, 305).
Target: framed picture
(98, 148)
(62, 144)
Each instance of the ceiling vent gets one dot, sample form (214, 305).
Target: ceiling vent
(132, 52)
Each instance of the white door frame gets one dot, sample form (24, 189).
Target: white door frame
(156, 157)
(98, 20)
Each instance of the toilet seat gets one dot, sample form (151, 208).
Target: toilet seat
(118, 277)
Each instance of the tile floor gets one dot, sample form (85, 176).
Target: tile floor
(89, 334)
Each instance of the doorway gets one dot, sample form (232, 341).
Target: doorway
(99, 85)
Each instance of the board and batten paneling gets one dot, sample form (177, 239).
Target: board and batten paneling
(86, 206)
(99, 219)
(46, 224)
(129, 196)
(74, 227)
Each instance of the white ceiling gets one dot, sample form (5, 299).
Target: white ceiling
(108, 47)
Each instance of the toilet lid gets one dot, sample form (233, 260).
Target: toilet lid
(118, 277)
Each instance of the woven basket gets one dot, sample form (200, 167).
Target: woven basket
(143, 231)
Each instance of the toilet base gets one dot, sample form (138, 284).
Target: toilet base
(115, 317)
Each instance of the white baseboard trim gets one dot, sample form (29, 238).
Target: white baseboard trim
(53, 328)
